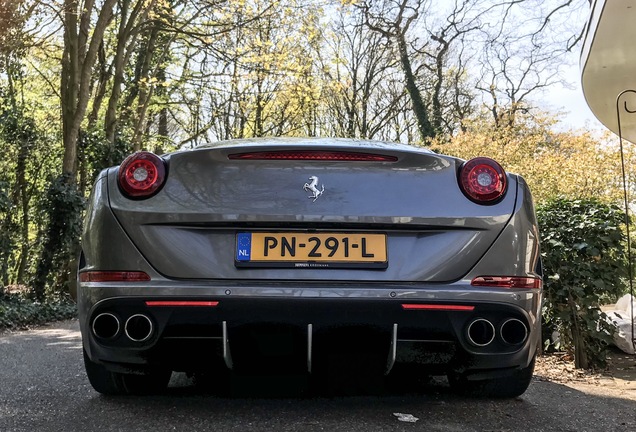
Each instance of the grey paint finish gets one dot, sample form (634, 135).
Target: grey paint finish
(438, 240)
(188, 229)
(516, 250)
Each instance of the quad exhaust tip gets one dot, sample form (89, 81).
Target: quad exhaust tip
(106, 326)
(139, 328)
(481, 332)
(513, 332)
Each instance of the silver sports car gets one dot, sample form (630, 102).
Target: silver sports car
(313, 256)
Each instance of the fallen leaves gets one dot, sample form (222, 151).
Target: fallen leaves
(559, 367)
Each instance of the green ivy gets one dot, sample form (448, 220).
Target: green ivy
(585, 266)
(7, 229)
(18, 312)
(64, 205)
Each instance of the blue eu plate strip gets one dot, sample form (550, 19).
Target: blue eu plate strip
(243, 246)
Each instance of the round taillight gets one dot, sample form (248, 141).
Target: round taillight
(141, 175)
(482, 180)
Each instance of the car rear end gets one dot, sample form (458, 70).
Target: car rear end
(305, 250)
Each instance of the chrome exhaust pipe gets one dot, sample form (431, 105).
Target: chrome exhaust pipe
(513, 332)
(481, 332)
(106, 326)
(139, 328)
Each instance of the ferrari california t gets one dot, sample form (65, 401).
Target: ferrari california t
(295, 254)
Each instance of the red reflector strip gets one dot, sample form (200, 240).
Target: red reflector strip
(439, 307)
(508, 282)
(161, 303)
(314, 155)
(113, 276)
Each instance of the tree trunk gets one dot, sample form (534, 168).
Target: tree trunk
(419, 107)
(162, 129)
(81, 45)
(436, 104)
(126, 40)
(578, 339)
(24, 249)
(78, 59)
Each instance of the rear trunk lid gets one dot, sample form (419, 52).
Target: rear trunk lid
(192, 227)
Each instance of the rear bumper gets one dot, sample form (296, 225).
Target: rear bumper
(303, 327)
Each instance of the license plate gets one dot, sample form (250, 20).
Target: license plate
(311, 250)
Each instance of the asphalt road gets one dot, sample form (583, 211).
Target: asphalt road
(43, 388)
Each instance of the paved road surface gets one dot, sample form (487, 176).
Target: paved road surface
(43, 388)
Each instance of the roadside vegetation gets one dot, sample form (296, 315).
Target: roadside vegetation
(18, 311)
(584, 256)
(85, 82)
(576, 182)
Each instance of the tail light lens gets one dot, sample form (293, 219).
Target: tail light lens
(482, 180)
(437, 307)
(113, 276)
(313, 155)
(508, 282)
(181, 303)
(141, 175)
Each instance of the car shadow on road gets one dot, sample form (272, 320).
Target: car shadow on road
(44, 388)
(294, 402)
(546, 406)
(252, 385)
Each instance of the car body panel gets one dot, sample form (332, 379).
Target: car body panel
(207, 198)
(187, 250)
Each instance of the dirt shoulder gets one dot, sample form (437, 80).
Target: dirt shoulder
(617, 380)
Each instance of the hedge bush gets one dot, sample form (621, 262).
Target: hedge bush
(17, 311)
(583, 252)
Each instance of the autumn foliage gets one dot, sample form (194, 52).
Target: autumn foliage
(575, 164)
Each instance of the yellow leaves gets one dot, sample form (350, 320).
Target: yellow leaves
(154, 82)
(573, 164)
